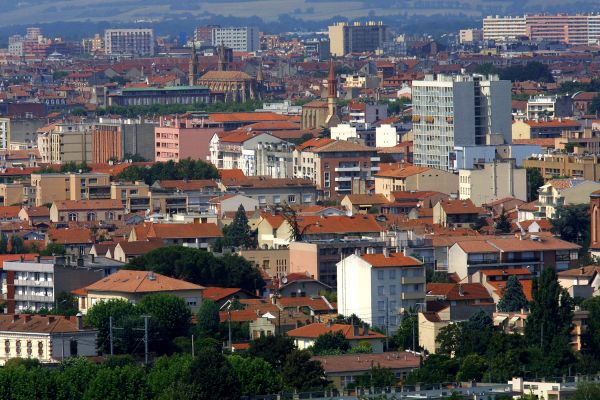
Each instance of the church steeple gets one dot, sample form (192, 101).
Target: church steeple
(222, 58)
(193, 67)
(331, 91)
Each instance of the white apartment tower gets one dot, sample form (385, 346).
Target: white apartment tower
(243, 38)
(459, 110)
(138, 42)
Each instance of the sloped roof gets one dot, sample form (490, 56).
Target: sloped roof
(194, 184)
(339, 224)
(352, 363)
(140, 247)
(317, 329)
(74, 205)
(38, 323)
(358, 199)
(391, 260)
(71, 236)
(128, 281)
(218, 293)
(343, 145)
(458, 291)
(403, 172)
(169, 231)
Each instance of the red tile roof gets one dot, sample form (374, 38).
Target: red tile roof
(73, 205)
(38, 323)
(353, 363)
(392, 260)
(218, 293)
(458, 291)
(188, 231)
(317, 329)
(128, 281)
(71, 236)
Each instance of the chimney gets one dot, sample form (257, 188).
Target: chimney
(460, 290)
(355, 329)
(79, 321)
(50, 319)
(365, 329)
(38, 259)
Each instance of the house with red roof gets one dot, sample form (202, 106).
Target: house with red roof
(305, 336)
(415, 178)
(380, 287)
(457, 213)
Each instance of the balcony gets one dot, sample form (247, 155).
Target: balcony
(412, 280)
(343, 179)
(375, 159)
(348, 169)
(343, 189)
(413, 295)
(34, 297)
(30, 283)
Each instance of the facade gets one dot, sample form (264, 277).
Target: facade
(64, 142)
(492, 181)
(413, 178)
(49, 188)
(305, 336)
(575, 166)
(4, 133)
(133, 42)
(549, 107)
(34, 285)
(241, 38)
(380, 287)
(133, 285)
(457, 213)
(564, 192)
(468, 36)
(145, 96)
(46, 338)
(356, 38)
(460, 110)
(504, 29)
(105, 210)
(275, 192)
(115, 138)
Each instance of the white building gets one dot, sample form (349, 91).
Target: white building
(379, 288)
(503, 29)
(386, 135)
(492, 181)
(46, 338)
(138, 42)
(343, 132)
(241, 38)
(4, 133)
(461, 110)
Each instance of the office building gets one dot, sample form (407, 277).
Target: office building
(146, 96)
(488, 182)
(356, 38)
(115, 138)
(134, 42)
(459, 110)
(467, 36)
(503, 28)
(203, 34)
(242, 38)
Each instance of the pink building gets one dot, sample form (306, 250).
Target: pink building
(180, 137)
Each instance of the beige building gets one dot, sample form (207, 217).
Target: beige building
(71, 186)
(275, 262)
(356, 38)
(132, 285)
(64, 142)
(46, 338)
(12, 193)
(130, 194)
(413, 178)
(86, 210)
(564, 192)
(575, 166)
(492, 181)
(430, 325)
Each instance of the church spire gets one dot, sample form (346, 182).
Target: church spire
(331, 93)
(222, 58)
(193, 67)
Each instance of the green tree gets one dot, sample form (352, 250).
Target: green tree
(73, 376)
(592, 305)
(17, 246)
(65, 304)
(377, 377)
(435, 369)
(513, 299)
(211, 376)
(330, 343)
(572, 223)
(587, 391)
(54, 249)
(200, 267)
(472, 367)
(534, 181)
(166, 373)
(549, 324)
(124, 315)
(208, 319)
(272, 349)
(256, 376)
(238, 233)
(3, 244)
(121, 383)
(170, 317)
(594, 107)
(407, 335)
(302, 373)
(185, 169)
(503, 224)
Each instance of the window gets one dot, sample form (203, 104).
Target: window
(292, 198)
(381, 321)
(380, 275)
(72, 216)
(29, 348)
(7, 347)
(91, 216)
(327, 179)
(110, 215)
(18, 347)
(73, 350)
(262, 200)
(392, 289)
(380, 290)
(392, 274)
(41, 349)
(307, 198)
(192, 301)
(381, 305)
(276, 199)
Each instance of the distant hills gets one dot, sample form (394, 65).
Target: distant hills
(160, 12)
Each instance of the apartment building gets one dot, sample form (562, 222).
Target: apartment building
(131, 42)
(413, 178)
(337, 167)
(145, 96)
(380, 287)
(114, 138)
(533, 252)
(34, 285)
(549, 107)
(104, 210)
(558, 193)
(347, 38)
(575, 166)
(240, 38)
(492, 181)
(468, 36)
(177, 138)
(573, 29)
(48, 188)
(459, 110)
(502, 29)
(64, 142)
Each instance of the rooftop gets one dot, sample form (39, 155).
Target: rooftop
(129, 281)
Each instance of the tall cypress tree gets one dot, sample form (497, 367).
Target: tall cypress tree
(513, 298)
(239, 232)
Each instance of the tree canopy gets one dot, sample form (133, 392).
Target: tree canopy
(185, 169)
(513, 299)
(200, 267)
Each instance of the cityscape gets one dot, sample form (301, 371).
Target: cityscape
(299, 200)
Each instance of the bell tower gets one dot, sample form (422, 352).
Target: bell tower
(595, 224)
(193, 67)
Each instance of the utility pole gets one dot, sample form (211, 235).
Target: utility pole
(146, 317)
(193, 346)
(62, 337)
(229, 327)
(387, 323)
(110, 333)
